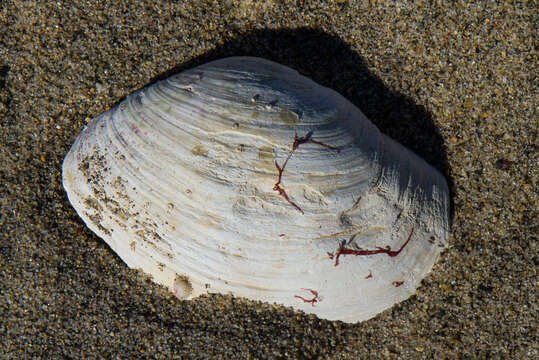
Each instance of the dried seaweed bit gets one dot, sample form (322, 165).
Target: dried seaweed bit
(313, 300)
(307, 139)
(387, 250)
(282, 192)
(297, 142)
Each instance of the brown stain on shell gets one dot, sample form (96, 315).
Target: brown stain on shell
(265, 154)
(266, 159)
(199, 150)
(288, 117)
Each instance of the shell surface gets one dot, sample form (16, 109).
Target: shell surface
(243, 177)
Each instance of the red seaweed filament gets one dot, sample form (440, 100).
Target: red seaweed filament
(379, 250)
(369, 276)
(313, 300)
(297, 142)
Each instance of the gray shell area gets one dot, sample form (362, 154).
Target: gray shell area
(181, 179)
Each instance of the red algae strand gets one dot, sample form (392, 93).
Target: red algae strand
(295, 145)
(379, 250)
(313, 300)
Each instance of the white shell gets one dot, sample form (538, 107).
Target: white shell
(180, 180)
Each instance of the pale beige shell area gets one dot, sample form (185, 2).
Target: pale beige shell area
(241, 176)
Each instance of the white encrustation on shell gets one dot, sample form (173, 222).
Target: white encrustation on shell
(243, 177)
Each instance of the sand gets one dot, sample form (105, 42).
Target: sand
(455, 82)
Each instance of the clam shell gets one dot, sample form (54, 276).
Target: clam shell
(243, 177)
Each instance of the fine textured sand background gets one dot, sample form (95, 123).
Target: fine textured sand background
(453, 81)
